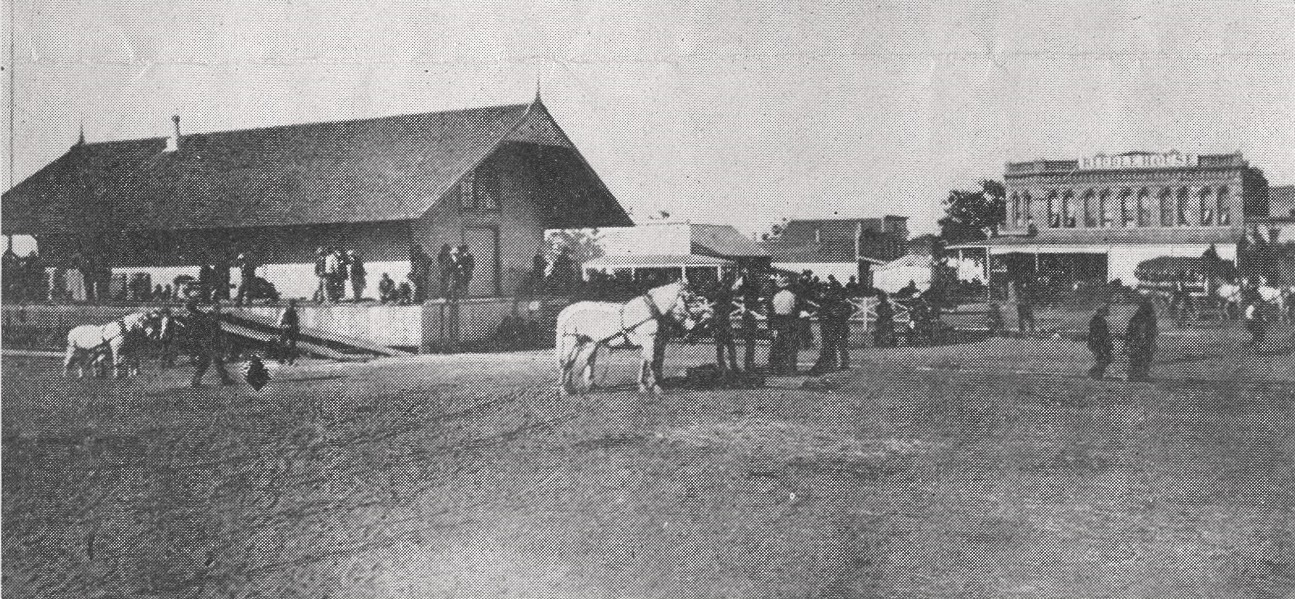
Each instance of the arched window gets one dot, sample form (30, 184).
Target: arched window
(1068, 210)
(1225, 207)
(1184, 198)
(1090, 217)
(1016, 210)
(1144, 208)
(1028, 214)
(1207, 207)
(1167, 212)
(1106, 209)
(1054, 217)
(1128, 212)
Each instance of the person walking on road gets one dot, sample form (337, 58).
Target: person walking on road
(1099, 342)
(209, 341)
(1141, 336)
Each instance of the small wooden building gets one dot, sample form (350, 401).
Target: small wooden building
(390, 188)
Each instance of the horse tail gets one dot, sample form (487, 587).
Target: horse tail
(560, 349)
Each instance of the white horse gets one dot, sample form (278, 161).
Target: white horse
(1231, 296)
(585, 327)
(87, 341)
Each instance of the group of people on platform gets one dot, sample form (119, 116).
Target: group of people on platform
(335, 268)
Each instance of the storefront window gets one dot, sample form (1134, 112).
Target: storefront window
(1127, 209)
(1207, 207)
(1183, 199)
(1090, 219)
(1016, 210)
(1029, 209)
(1167, 208)
(1054, 217)
(1225, 210)
(1106, 210)
(1144, 208)
(1068, 210)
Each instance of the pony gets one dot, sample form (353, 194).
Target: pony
(585, 327)
(85, 343)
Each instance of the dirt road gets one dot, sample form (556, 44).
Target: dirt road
(989, 470)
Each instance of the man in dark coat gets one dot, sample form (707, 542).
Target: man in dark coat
(321, 272)
(884, 336)
(830, 355)
(749, 290)
(208, 343)
(359, 276)
(247, 269)
(722, 325)
(445, 262)
(289, 332)
(1099, 342)
(1024, 307)
(1141, 336)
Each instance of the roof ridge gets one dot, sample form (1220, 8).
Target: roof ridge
(315, 123)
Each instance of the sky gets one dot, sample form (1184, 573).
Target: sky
(739, 113)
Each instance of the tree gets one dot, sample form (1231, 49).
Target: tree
(775, 230)
(974, 215)
(581, 245)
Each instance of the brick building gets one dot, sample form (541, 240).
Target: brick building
(493, 178)
(1097, 218)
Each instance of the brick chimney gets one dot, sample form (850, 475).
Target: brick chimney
(173, 142)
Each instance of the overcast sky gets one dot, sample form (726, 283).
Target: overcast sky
(728, 112)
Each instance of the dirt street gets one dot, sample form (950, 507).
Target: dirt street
(984, 470)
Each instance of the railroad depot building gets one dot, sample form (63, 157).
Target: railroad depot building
(390, 188)
(1096, 219)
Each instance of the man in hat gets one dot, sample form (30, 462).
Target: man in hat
(209, 343)
(722, 298)
(1099, 342)
(783, 353)
(166, 336)
(358, 274)
(247, 269)
(321, 272)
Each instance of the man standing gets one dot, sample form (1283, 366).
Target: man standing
(166, 336)
(289, 332)
(783, 353)
(750, 292)
(884, 336)
(1141, 342)
(1099, 342)
(358, 274)
(209, 342)
(333, 275)
(247, 270)
(321, 271)
(722, 324)
(467, 266)
(1254, 323)
(1024, 307)
(828, 312)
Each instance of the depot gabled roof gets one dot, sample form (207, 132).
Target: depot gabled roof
(372, 170)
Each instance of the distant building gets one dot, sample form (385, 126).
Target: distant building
(1096, 219)
(842, 247)
(1281, 214)
(697, 253)
(492, 178)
